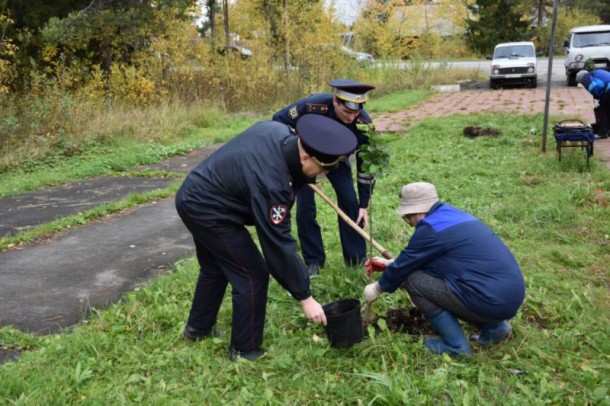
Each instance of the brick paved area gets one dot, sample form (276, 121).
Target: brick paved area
(572, 102)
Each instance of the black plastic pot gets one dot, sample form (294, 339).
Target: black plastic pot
(344, 323)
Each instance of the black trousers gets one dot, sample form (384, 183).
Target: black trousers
(228, 254)
(310, 235)
(602, 117)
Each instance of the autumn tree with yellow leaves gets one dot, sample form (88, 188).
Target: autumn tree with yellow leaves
(404, 29)
(7, 52)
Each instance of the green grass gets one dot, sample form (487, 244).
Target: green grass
(553, 215)
(122, 158)
(393, 102)
(124, 152)
(121, 154)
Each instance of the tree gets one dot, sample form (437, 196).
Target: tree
(7, 50)
(403, 29)
(286, 39)
(543, 10)
(86, 33)
(600, 8)
(211, 7)
(374, 29)
(496, 21)
(225, 16)
(566, 20)
(293, 32)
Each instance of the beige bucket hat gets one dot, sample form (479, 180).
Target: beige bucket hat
(417, 197)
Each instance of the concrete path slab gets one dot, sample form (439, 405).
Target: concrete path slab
(47, 287)
(184, 163)
(28, 210)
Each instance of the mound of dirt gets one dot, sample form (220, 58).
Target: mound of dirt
(408, 321)
(472, 132)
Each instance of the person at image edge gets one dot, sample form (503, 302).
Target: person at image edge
(252, 181)
(454, 267)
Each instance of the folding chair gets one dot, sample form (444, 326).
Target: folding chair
(574, 133)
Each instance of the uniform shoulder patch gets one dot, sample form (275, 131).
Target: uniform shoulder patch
(319, 108)
(277, 214)
(293, 112)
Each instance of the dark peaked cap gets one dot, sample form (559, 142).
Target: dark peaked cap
(352, 93)
(324, 138)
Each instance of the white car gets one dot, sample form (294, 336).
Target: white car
(243, 53)
(590, 41)
(358, 56)
(514, 63)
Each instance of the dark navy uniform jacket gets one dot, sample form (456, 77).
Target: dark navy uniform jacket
(322, 103)
(251, 180)
(598, 83)
(472, 260)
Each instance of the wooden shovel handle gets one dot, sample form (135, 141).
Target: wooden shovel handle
(385, 253)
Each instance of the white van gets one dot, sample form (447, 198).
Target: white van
(589, 41)
(514, 63)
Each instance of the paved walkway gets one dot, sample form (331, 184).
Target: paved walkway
(51, 285)
(572, 102)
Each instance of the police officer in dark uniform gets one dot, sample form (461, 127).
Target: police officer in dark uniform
(346, 106)
(253, 180)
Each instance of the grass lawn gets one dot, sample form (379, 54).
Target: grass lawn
(553, 215)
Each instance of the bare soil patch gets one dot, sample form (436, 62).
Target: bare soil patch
(403, 320)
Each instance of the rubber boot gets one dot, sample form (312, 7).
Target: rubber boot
(492, 333)
(451, 340)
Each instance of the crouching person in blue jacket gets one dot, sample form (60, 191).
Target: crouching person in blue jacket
(454, 267)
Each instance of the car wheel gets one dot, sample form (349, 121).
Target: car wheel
(571, 79)
(534, 83)
(493, 84)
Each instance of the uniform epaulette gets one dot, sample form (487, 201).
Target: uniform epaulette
(362, 120)
(318, 108)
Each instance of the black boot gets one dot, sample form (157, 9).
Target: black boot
(251, 355)
(313, 270)
(196, 334)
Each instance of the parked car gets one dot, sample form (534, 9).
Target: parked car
(514, 63)
(589, 41)
(243, 53)
(358, 56)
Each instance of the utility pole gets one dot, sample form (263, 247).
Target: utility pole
(225, 13)
(549, 73)
(286, 38)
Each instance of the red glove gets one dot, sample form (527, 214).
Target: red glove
(375, 265)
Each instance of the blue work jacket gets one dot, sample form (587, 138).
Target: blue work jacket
(464, 252)
(597, 83)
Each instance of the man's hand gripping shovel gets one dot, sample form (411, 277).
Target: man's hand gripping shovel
(375, 264)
